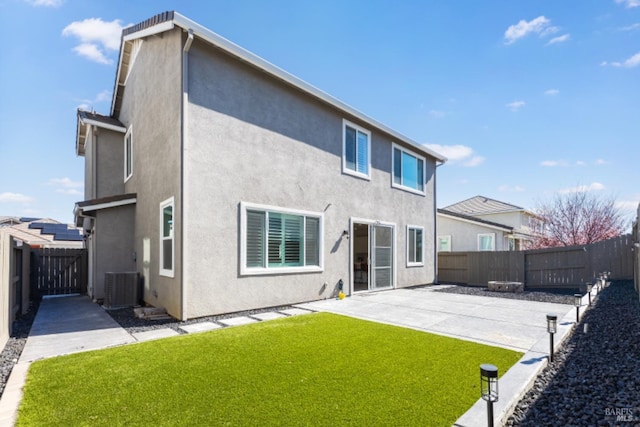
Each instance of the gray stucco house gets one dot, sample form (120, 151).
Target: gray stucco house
(483, 224)
(229, 184)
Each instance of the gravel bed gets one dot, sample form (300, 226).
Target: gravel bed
(126, 319)
(594, 379)
(558, 296)
(13, 349)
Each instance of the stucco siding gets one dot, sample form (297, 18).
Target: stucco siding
(109, 167)
(464, 235)
(113, 240)
(151, 105)
(254, 139)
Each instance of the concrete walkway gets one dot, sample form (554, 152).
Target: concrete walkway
(509, 323)
(65, 325)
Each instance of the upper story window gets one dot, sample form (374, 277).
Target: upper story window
(408, 170)
(356, 150)
(415, 243)
(166, 238)
(278, 240)
(487, 242)
(128, 154)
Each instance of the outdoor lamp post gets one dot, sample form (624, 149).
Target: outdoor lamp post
(552, 328)
(489, 388)
(577, 301)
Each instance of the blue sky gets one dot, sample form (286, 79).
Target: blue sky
(527, 98)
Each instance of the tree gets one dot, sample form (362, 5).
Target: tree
(576, 218)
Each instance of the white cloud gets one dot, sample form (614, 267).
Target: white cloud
(554, 163)
(87, 104)
(515, 105)
(437, 114)
(105, 95)
(65, 182)
(45, 3)
(604, 63)
(580, 163)
(96, 38)
(540, 25)
(629, 3)
(632, 27)
(551, 92)
(508, 189)
(595, 186)
(559, 39)
(69, 191)
(474, 161)
(8, 197)
(457, 154)
(601, 162)
(631, 62)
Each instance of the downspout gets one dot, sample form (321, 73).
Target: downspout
(183, 194)
(435, 224)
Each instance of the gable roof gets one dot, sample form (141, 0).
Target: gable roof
(169, 20)
(476, 220)
(479, 205)
(89, 118)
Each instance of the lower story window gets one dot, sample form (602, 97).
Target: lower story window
(415, 239)
(166, 238)
(486, 242)
(444, 243)
(280, 240)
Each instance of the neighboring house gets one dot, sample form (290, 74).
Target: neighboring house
(229, 184)
(483, 224)
(45, 233)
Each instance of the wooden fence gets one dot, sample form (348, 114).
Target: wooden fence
(565, 267)
(58, 271)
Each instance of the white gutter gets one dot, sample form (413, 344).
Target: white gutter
(104, 125)
(184, 184)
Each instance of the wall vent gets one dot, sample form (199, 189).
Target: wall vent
(121, 290)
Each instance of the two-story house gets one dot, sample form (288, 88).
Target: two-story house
(483, 224)
(230, 184)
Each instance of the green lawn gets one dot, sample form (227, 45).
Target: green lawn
(316, 369)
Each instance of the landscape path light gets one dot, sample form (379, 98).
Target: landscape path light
(489, 388)
(577, 301)
(552, 328)
(589, 286)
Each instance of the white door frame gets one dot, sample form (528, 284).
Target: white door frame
(370, 222)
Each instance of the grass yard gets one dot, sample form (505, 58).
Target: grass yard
(316, 369)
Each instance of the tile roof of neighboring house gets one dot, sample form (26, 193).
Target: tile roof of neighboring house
(46, 232)
(475, 219)
(168, 20)
(479, 205)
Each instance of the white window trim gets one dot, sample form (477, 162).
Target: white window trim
(448, 237)
(409, 263)
(128, 157)
(164, 272)
(256, 271)
(345, 169)
(424, 172)
(493, 239)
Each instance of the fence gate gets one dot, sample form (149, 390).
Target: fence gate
(58, 271)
